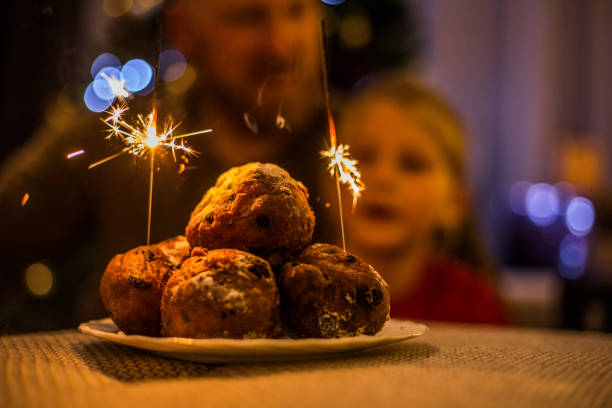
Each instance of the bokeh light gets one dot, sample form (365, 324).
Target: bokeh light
(116, 8)
(100, 84)
(93, 102)
(182, 84)
(573, 255)
(136, 74)
(333, 2)
(542, 204)
(141, 7)
(516, 197)
(172, 65)
(150, 86)
(580, 216)
(565, 192)
(39, 279)
(356, 31)
(103, 60)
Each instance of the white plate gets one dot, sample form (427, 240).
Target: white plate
(220, 350)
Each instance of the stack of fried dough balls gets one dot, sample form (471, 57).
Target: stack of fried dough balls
(246, 269)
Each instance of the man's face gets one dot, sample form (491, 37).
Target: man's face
(253, 53)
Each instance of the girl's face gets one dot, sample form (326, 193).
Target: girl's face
(410, 189)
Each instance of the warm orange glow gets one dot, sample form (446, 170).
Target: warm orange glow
(39, 279)
(25, 199)
(332, 131)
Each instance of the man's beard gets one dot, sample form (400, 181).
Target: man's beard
(276, 97)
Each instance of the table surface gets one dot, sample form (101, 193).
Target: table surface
(452, 365)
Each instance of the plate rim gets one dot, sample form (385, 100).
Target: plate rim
(217, 349)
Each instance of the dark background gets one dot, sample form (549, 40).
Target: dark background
(531, 79)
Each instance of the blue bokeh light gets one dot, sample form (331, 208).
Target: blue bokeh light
(172, 65)
(136, 74)
(542, 204)
(565, 191)
(93, 102)
(573, 255)
(333, 2)
(101, 86)
(103, 60)
(150, 86)
(580, 216)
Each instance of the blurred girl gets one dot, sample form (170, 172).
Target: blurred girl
(412, 222)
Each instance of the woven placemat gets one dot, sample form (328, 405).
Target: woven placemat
(452, 365)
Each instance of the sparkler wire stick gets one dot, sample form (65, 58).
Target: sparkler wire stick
(151, 170)
(340, 206)
(152, 165)
(155, 98)
(330, 120)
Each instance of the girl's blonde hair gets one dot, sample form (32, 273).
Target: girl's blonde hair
(429, 109)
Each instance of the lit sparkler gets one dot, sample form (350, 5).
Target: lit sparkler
(340, 165)
(142, 137)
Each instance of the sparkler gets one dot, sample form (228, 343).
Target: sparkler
(140, 137)
(340, 165)
(345, 169)
(143, 137)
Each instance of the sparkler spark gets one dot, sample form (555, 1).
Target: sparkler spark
(143, 136)
(116, 86)
(341, 164)
(115, 113)
(74, 154)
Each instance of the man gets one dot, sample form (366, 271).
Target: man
(258, 88)
(259, 70)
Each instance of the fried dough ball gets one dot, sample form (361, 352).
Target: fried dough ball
(256, 208)
(176, 249)
(133, 284)
(327, 292)
(221, 293)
